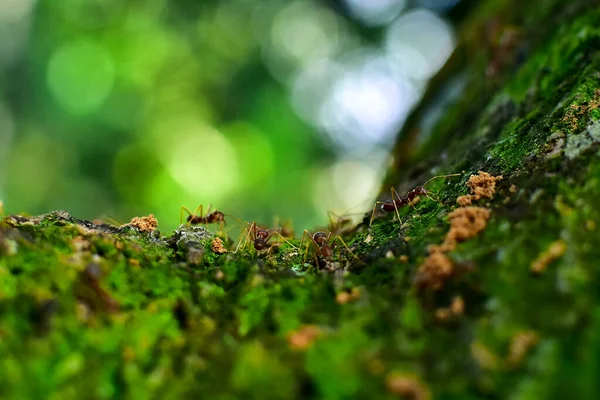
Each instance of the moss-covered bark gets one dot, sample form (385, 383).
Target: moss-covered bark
(507, 305)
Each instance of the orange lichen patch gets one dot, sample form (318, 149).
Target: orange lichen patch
(435, 271)
(520, 346)
(456, 309)
(347, 296)
(144, 224)
(457, 306)
(482, 186)
(134, 262)
(576, 111)
(465, 223)
(303, 338)
(217, 246)
(556, 250)
(79, 244)
(407, 386)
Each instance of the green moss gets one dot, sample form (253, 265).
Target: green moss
(105, 312)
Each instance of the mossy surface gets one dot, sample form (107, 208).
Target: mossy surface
(102, 312)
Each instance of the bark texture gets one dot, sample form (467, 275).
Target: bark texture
(485, 288)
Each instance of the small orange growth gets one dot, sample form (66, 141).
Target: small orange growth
(219, 275)
(303, 338)
(217, 246)
(482, 186)
(556, 250)
(407, 386)
(435, 271)
(520, 346)
(576, 111)
(347, 296)
(456, 309)
(144, 224)
(457, 306)
(403, 258)
(465, 223)
(79, 244)
(134, 262)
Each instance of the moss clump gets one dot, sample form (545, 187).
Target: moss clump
(98, 311)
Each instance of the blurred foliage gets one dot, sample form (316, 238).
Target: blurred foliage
(122, 108)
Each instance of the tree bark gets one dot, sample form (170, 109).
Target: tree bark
(486, 286)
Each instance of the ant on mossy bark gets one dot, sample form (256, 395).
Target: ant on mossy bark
(259, 238)
(399, 202)
(323, 244)
(198, 217)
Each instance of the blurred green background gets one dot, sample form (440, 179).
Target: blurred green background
(261, 108)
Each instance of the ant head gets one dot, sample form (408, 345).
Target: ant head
(262, 234)
(320, 238)
(419, 190)
(260, 243)
(217, 216)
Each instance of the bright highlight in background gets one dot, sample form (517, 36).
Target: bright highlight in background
(260, 108)
(375, 12)
(81, 75)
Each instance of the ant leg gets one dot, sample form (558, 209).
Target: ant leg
(245, 235)
(373, 212)
(184, 208)
(339, 238)
(311, 240)
(330, 217)
(439, 176)
(220, 231)
(394, 193)
(282, 237)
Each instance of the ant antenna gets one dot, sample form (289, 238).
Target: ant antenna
(439, 176)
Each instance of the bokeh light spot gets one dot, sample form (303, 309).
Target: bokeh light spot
(367, 103)
(346, 187)
(375, 12)
(81, 75)
(253, 152)
(198, 157)
(38, 163)
(419, 42)
(14, 10)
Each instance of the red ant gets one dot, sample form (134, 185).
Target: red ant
(259, 237)
(398, 202)
(323, 244)
(198, 217)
